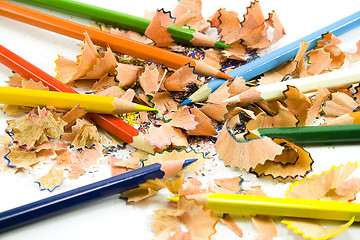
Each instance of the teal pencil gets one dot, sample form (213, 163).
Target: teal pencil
(125, 21)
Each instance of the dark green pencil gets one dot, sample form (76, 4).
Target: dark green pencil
(120, 20)
(315, 134)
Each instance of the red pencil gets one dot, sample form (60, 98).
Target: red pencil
(110, 123)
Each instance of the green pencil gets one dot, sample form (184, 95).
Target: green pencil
(123, 20)
(315, 134)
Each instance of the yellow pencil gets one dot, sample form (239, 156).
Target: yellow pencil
(92, 103)
(286, 207)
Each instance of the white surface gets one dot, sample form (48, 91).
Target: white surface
(111, 218)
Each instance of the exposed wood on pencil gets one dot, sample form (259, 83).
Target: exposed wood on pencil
(274, 91)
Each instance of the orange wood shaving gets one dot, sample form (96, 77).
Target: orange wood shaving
(228, 221)
(127, 74)
(297, 103)
(339, 105)
(265, 226)
(30, 84)
(189, 12)
(245, 154)
(214, 106)
(229, 26)
(157, 29)
(204, 128)
(302, 166)
(68, 70)
(183, 77)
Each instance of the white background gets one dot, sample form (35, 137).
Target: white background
(112, 218)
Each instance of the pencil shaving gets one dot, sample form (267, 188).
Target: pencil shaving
(214, 106)
(204, 126)
(69, 70)
(199, 222)
(297, 103)
(150, 188)
(183, 77)
(339, 105)
(157, 29)
(188, 12)
(51, 180)
(33, 130)
(312, 230)
(121, 165)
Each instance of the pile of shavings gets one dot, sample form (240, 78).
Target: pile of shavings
(220, 136)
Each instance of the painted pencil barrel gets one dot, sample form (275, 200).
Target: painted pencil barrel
(108, 16)
(89, 193)
(315, 134)
(286, 207)
(34, 98)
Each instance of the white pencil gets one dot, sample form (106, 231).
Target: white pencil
(274, 91)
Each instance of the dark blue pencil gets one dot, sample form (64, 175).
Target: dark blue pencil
(89, 193)
(275, 58)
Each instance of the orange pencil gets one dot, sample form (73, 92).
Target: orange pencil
(117, 43)
(110, 123)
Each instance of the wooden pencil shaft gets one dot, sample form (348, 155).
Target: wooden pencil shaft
(308, 84)
(64, 201)
(108, 16)
(315, 134)
(273, 91)
(287, 207)
(75, 30)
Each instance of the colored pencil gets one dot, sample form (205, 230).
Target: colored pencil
(273, 91)
(314, 135)
(89, 193)
(110, 123)
(285, 207)
(91, 103)
(104, 39)
(125, 21)
(275, 58)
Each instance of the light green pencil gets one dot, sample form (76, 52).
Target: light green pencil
(125, 21)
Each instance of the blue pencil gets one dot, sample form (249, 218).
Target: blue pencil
(275, 58)
(89, 193)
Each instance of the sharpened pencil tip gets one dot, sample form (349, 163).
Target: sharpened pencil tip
(189, 161)
(231, 100)
(186, 102)
(223, 75)
(221, 45)
(140, 107)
